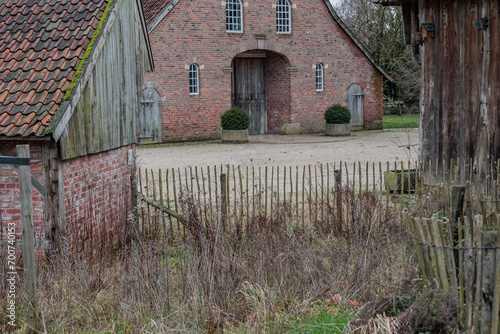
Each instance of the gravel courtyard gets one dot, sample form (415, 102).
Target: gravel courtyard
(276, 150)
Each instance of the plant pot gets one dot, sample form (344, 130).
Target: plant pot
(234, 136)
(397, 181)
(338, 129)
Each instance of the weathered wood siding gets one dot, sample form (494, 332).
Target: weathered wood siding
(460, 95)
(106, 114)
(150, 117)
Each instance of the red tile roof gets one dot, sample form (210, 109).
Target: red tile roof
(41, 45)
(153, 8)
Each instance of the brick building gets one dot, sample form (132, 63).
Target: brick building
(71, 76)
(284, 61)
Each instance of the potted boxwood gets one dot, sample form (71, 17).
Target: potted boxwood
(338, 121)
(235, 122)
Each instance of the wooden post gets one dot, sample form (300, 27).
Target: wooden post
(496, 297)
(488, 280)
(457, 204)
(28, 234)
(478, 242)
(223, 200)
(338, 187)
(133, 188)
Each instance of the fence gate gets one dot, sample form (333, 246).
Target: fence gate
(150, 117)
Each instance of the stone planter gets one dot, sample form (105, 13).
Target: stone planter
(338, 129)
(234, 136)
(398, 181)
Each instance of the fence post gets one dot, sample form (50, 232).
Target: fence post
(488, 286)
(457, 204)
(338, 186)
(29, 265)
(496, 296)
(223, 200)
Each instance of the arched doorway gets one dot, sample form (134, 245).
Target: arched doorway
(355, 105)
(261, 86)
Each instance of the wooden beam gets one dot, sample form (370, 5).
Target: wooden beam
(34, 181)
(28, 234)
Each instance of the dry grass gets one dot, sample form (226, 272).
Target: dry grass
(214, 280)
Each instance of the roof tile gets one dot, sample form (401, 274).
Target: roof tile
(41, 44)
(153, 8)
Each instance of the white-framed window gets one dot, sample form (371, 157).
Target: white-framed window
(194, 82)
(234, 16)
(319, 77)
(283, 17)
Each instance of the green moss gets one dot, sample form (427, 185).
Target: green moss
(48, 129)
(97, 32)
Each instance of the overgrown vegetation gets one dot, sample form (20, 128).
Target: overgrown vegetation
(337, 114)
(351, 270)
(263, 277)
(235, 118)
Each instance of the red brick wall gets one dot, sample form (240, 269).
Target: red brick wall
(195, 32)
(10, 198)
(97, 198)
(278, 92)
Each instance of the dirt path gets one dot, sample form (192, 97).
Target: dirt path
(275, 150)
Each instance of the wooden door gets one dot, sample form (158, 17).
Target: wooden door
(249, 91)
(355, 105)
(150, 117)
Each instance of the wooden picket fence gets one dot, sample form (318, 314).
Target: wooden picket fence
(301, 195)
(462, 259)
(457, 254)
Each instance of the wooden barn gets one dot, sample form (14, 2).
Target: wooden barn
(457, 43)
(71, 75)
(284, 61)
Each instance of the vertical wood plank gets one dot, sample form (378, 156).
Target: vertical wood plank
(291, 194)
(223, 201)
(253, 192)
(167, 181)
(440, 256)
(210, 198)
(266, 190)
(338, 194)
(235, 205)
(496, 297)
(303, 193)
(478, 242)
(247, 202)
(174, 188)
(488, 281)
(205, 205)
(322, 193)
(242, 200)
(28, 235)
(310, 195)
